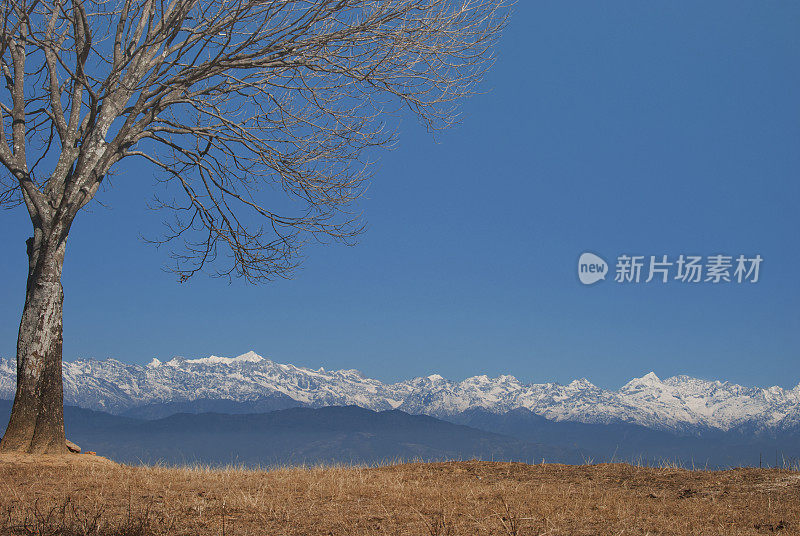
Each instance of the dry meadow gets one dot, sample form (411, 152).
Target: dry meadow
(88, 495)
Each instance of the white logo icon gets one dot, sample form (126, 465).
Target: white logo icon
(591, 268)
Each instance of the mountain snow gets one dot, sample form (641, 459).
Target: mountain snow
(680, 403)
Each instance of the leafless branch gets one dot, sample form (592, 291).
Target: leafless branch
(235, 102)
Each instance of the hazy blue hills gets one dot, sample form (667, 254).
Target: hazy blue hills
(351, 434)
(338, 434)
(700, 448)
(160, 410)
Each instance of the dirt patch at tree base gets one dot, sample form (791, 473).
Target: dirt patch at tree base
(48, 460)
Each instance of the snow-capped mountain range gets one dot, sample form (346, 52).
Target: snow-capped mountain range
(680, 403)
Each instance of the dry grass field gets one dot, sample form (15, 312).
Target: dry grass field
(92, 496)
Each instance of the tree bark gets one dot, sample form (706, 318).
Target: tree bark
(37, 416)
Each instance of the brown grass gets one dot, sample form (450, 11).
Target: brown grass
(94, 496)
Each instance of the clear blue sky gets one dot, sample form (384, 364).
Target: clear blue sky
(613, 127)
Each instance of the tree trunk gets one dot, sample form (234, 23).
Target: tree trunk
(37, 416)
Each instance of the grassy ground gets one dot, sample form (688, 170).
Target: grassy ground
(90, 495)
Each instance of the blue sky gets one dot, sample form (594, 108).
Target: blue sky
(644, 128)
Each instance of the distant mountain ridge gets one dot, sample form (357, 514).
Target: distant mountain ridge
(295, 436)
(251, 383)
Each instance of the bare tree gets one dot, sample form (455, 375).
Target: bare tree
(229, 99)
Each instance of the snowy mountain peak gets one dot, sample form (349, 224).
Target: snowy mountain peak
(507, 378)
(582, 383)
(648, 381)
(249, 357)
(154, 363)
(650, 377)
(483, 379)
